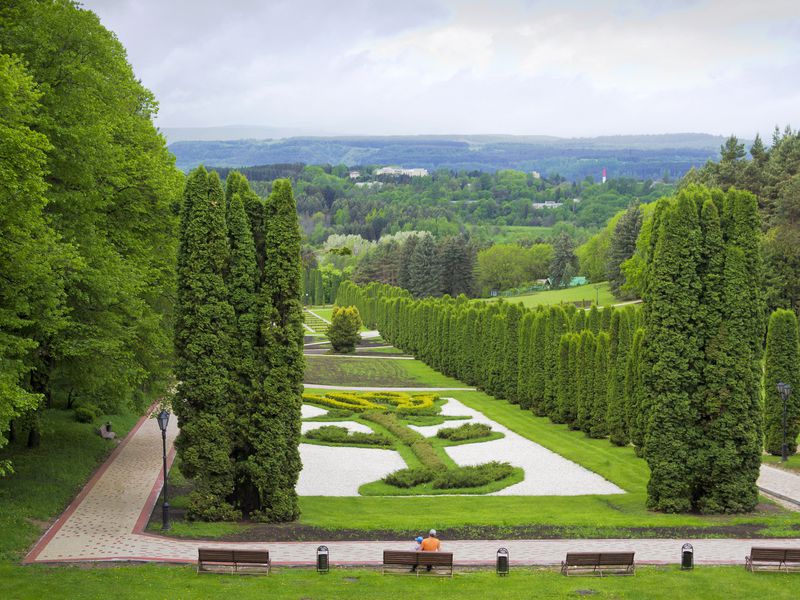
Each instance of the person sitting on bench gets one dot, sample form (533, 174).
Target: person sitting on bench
(431, 544)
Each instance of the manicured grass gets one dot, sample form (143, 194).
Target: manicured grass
(591, 292)
(160, 581)
(326, 312)
(46, 478)
(337, 370)
(792, 464)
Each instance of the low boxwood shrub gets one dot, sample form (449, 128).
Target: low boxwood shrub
(467, 431)
(473, 476)
(340, 435)
(408, 478)
(403, 403)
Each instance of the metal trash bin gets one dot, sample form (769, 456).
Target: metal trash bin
(687, 557)
(503, 564)
(323, 564)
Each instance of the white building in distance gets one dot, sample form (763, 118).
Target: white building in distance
(399, 171)
(548, 204)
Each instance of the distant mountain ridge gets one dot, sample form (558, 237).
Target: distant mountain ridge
(640, 156)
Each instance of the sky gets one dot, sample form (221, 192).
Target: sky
(396, 67)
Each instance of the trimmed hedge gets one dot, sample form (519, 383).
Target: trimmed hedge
(340, 435)
(408, 478)
(403, 403)
(467, 431)
(473, 476)
(420, 446)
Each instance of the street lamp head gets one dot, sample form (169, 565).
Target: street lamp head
(163, 419)
(785, 390)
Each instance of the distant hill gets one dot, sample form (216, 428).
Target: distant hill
(229, 132)
(639, 156)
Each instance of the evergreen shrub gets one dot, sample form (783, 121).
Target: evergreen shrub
(343, 331)
(340, 435)
(86, 413)
(467, 431)
(408, 478)
(472, 476)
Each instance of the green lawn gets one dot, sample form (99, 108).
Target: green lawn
(323, 311)
(161, 581)
(337, 370)
(599, 292)
(511, 234)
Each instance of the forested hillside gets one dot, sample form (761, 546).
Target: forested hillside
(641, 157)
(88, 222)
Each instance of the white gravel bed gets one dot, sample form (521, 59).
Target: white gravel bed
(341, 470)
(546, 473)
(309, 412)
(349, 425)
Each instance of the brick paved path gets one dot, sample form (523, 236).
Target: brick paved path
(106, 522)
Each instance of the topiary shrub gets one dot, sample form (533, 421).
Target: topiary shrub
(408, 478)
(473, 476)
(343, 331)
(340, 435)
(467, 431)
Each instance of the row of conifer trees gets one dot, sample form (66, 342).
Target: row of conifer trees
(239, 348)
(679, 378)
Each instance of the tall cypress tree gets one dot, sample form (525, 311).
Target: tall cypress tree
(671, 351)
(275, 421)
(599, 426)
(585, 384)
(618, 358)
(511, 356)
(635, 410)
(782, 366)
(556, 326)
(242, 279)
(203, 341)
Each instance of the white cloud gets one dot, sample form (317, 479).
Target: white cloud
(467, 66)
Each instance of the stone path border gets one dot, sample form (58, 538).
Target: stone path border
(107, 520)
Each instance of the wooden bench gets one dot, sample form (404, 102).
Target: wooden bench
(214, 560)
(785, 558)
(106, 433)
(400, 561)
(598, 563)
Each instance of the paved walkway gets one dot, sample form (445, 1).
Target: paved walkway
(106, 522)
(781, 484)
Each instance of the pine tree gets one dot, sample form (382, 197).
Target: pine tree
(670, 352)
(343, 332)
(623, 245)
(425, 270)
(782, 366)
(204, 350)
(564, 265)
(525, 359)
(593, 320)
(275, 422)
(564, 409)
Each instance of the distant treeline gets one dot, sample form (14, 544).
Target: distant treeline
(572, 159)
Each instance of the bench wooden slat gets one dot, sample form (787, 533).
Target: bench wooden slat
(435, 558)
(399, 560)
(232, 561)
(598, 562)
(251, 556)
(772, 557)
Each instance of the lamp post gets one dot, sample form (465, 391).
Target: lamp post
(163, 421)
(785, 390)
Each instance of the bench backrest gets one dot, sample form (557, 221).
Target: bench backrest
(768, 554)
(582, 559)
(793, 555)
(435, 558)
(214, 555)
(616, 558)
(258, 557)
(399, 557)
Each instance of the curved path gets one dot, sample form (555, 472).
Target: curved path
(106, 522)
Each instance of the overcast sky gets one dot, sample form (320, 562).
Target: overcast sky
(567, 68)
